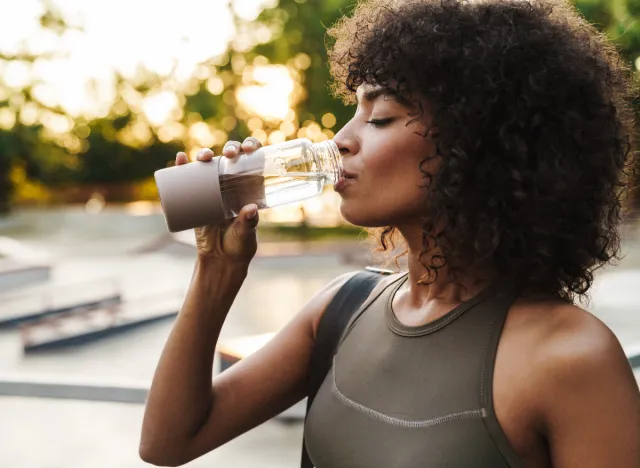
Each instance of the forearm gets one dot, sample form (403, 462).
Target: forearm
(180, 396)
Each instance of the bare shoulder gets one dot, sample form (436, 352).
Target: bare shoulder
(574, 341)
(580, 372)
(564, 341)
(557, 332)
(562, 378)
(582, 388)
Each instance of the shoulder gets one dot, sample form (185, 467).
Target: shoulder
(559, 333)
(576, 342)
(577, 363)
(581, 388)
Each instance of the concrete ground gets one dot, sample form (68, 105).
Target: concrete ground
(75, 434)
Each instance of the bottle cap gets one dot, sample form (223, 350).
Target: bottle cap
(190, 195)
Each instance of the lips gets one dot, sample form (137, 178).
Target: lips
(346, 178)
(348, 175)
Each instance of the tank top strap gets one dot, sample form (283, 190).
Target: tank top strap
(501, 305)
(381, 295)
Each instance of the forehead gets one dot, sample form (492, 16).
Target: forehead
(363, 88)
(369, 93)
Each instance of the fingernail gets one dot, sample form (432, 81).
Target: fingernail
(252, 212)
(250, 143)
(229, 147)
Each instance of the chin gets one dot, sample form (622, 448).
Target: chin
(363, 216)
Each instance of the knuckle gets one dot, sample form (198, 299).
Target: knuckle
(237, 235)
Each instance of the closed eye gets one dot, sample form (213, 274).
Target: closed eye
(379, 122)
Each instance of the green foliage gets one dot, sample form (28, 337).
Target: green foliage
(310, 233)
(304, 26)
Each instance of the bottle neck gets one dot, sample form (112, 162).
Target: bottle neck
(329, 160)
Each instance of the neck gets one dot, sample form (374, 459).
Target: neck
(445, 287)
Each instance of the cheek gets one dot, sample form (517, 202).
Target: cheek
(395, 171)
(388, 190)
(384, 197)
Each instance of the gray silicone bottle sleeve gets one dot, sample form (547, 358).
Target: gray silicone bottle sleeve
(190, 195)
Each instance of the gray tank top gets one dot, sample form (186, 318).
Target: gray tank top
(406, 397)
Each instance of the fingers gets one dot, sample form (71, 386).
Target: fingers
(246, 223)
(250, 144)
(249, 213)
(205, 154)
(231, 149)
(181, 158)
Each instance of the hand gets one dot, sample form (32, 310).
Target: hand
(234, 240)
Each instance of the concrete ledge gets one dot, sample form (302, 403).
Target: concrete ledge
(12, 248)
(633, 354)
(16, 274)
(73, 389)
(98, 390)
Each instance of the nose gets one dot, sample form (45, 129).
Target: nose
(346, 140)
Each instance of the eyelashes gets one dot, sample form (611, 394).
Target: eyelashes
(379, 122)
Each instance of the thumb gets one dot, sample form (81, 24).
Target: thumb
(247, 221)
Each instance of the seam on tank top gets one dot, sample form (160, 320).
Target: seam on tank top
(417, 424)
(427, 329)
(431, 329)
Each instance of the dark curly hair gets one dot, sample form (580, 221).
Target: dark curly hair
(533, 109)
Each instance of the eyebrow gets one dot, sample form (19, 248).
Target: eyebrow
(373, 94)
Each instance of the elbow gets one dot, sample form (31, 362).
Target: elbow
(159, 456)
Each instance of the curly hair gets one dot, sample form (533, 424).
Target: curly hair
(532, 105)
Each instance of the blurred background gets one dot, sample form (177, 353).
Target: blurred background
(97, 95)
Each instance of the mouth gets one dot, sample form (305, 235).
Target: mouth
(348, 175)
(346, 179)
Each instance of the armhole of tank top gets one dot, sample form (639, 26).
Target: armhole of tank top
(365, 305)
(486, 385)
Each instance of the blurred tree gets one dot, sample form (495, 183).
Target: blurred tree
(21, 135)
(299, 41)
(620, 20)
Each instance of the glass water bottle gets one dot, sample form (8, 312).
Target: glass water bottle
(201, 193)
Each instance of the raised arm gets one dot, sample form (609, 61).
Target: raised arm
(187, 414)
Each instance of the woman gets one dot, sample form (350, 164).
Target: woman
(491, 137)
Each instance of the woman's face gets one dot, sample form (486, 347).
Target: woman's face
(382, 150)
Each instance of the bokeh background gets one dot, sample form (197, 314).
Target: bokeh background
(97, 95)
